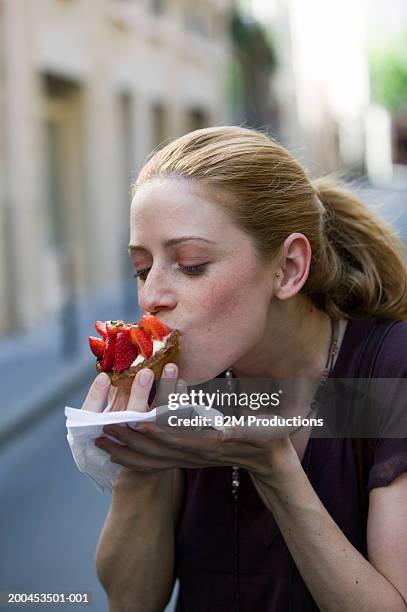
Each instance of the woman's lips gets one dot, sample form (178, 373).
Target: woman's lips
(172, 328)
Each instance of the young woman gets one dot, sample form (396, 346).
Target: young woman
(266, 275)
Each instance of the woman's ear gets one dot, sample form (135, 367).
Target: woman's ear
(294, 265)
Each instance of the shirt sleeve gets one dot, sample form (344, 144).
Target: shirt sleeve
(390, 461)
(390, 457)
(392, 357)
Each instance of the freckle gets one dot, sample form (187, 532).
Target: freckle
(344, 549)
(319, 534)
(356, 581)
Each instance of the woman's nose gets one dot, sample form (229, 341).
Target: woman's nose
(156, 293)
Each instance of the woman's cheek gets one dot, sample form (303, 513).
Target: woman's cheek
(221, 295)
(227, 314)
(227, 304)
(227, 324)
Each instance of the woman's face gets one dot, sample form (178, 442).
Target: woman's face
(199, 273)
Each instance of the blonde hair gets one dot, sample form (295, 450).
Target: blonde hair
(358, 265)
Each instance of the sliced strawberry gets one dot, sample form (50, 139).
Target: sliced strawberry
(97, 346)
(125, 353)
(100, 327)
(152, 325)
(108, 356)
(143, 340)
(115, 327)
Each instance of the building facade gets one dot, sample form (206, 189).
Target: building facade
(322, 84)
(87, 89)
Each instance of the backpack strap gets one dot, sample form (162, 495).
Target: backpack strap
(364, 448)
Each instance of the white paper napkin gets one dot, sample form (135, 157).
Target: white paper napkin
(84, 427)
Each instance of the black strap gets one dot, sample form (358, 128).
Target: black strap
(363, 448)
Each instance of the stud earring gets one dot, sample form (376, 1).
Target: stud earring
(277, 275)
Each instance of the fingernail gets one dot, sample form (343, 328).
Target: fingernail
(145, 377)
(169, 370)
(103, 379)
(141, 428)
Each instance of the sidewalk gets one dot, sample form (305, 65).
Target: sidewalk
(37, 377)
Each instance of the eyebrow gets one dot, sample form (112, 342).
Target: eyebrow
(169, 243)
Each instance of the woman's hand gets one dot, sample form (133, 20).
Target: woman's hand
(136, 398)
(151, 448)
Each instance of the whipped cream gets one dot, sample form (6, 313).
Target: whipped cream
(157, 346)
(138, 359)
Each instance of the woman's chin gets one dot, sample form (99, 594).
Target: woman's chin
(199, 374)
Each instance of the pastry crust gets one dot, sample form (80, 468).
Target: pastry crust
(156, 363)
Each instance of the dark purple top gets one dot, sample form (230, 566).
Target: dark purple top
(268, 578)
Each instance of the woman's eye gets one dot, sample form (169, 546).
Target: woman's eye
(192, 270)
(142, 274)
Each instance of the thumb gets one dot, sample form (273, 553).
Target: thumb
(97, 394)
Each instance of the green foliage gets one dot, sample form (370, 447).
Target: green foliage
(234, 87)
(388, 72)
(253, 41)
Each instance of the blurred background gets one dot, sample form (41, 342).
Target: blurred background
(87, 89)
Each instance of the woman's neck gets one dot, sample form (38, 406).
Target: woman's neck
(295, 343)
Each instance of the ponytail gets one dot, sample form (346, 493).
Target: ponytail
(362, 269)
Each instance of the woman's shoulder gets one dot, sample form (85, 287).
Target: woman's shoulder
(391, 361)
(373, 341)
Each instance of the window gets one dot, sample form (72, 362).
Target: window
(197, 119)
(54, 217)
(63, 215)
(159, 124)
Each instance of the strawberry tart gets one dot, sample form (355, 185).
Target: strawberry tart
(122, 349)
